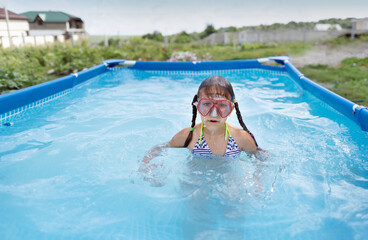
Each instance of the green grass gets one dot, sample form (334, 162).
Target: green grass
(346, 40)
(27, 66)
(349, 80)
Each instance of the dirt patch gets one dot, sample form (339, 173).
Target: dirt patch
(323, 54)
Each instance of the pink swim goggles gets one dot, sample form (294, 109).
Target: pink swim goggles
(206, 105)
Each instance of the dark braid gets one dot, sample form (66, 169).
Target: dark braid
(194, 116)
(240, 119)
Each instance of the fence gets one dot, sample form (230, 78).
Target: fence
(18, 41)
(275, 36)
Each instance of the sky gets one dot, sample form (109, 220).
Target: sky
(138, 17)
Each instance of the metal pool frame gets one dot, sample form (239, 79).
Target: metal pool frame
(15, 102)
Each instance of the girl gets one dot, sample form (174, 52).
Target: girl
(214, 101)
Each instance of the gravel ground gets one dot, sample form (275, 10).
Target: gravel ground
(323, 54)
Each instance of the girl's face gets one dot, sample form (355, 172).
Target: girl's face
(216, 111)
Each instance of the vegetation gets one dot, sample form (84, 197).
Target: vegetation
(349, 80)
(98, 39)
(344, 23)
(208, 31)
(183, 38)
(156, 36)
(27, 66)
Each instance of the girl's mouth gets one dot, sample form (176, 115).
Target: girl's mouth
(213, 121)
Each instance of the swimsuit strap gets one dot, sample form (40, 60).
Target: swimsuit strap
(226, 131)
(200, 136)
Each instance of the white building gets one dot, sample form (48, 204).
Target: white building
(18, 24)
(327, 27)
(360, 24)
(54, 23)
(39, 28)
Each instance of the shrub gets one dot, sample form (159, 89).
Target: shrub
(155, 36)
(183, 37)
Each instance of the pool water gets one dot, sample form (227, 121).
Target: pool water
(68, 168)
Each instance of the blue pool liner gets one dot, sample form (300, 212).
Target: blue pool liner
(10, 103)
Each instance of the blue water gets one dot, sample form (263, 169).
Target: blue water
(68, 169)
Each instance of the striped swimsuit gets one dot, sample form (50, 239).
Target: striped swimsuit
(201, 148)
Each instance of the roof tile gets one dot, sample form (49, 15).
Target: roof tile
(12, 15)
(49, 16)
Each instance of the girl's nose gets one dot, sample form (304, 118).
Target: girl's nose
(214, 112)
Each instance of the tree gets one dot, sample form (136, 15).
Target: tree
(208, 31)
(230, 29)
(156, 36)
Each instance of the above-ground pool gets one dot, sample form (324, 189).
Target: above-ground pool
(70, 151)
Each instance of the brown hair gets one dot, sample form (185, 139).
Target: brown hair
(216, 85)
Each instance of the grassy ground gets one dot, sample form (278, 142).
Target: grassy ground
(26, 66)
(349, 79)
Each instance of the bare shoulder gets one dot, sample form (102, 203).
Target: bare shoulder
(179, 139)
(244, 140)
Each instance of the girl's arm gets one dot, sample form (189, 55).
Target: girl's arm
(177, 141)
(245, 141)
(148, 169)
(155, 151)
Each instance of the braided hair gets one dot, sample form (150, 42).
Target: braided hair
(216, 85)
(194, 116)
(240, 119)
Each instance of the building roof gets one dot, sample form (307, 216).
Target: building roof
(12, 15)
(48, 16)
